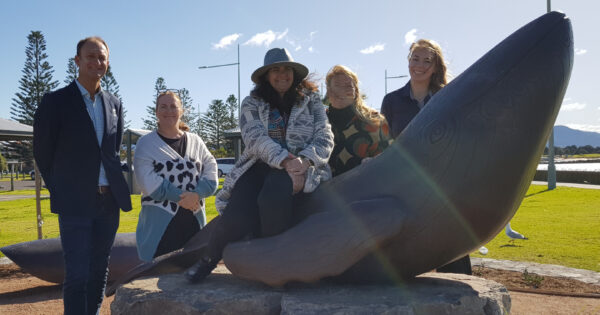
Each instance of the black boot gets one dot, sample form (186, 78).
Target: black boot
(200, 270)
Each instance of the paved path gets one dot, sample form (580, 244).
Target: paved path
(16, 197)
(535, 182)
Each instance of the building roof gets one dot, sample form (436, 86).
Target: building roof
(12, 130)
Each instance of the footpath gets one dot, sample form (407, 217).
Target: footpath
(586, 186)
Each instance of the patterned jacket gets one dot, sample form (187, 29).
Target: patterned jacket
(308, 134)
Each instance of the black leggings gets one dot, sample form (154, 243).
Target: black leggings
(182, 227)
(261, 204)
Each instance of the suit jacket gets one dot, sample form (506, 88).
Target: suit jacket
(67, 153)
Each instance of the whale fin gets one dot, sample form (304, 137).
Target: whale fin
(325, 244)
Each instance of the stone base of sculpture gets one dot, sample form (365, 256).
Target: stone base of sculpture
(222, 293)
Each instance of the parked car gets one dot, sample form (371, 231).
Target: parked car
(225, 165)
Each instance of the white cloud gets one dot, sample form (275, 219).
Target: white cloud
(282, 35)
(226, 41)
(579, 51)
(312, 34)
(266, 38)
(572, 107)
(593, 128)
(410, 36)
(311, 49)
(372, 49)
(293, 43)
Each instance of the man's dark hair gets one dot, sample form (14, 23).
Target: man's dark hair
(89, 39)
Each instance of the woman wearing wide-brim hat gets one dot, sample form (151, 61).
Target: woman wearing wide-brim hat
(288, 141)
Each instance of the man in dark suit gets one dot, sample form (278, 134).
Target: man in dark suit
(76, 140)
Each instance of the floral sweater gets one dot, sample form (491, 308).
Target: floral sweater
(355, 139)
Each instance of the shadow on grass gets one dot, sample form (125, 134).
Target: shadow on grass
(510, 245)
(539, 192)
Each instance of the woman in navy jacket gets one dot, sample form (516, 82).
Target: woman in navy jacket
(428, 75)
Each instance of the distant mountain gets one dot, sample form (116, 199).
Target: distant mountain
(565, 136)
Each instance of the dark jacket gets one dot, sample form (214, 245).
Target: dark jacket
(67, 153)
(399, 109)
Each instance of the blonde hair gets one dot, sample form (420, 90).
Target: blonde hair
(439, 78)
(182, 126)
(361, 109)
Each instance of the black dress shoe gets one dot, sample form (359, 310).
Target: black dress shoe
(199, 270)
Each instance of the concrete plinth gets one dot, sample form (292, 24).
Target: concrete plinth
(222, 293)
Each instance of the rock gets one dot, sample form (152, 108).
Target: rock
(222, 293)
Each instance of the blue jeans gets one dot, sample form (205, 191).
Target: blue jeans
(86, 243)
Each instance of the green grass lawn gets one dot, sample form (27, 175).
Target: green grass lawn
(589, 155)
(563, 226)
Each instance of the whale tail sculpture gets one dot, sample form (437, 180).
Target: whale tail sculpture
(448, 184)
(44, 258)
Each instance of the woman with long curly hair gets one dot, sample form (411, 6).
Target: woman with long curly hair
(288, 141)
(359, 131)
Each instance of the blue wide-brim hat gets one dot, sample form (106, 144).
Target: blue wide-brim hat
(279, 57)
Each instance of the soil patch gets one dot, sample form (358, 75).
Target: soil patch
(530, 282)
(22, 293)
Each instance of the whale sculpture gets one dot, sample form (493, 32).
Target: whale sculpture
(44, 258)
(448, 184)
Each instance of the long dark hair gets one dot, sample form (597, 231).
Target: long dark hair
(297, 92)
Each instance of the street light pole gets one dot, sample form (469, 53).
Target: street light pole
(392, 77)
(238, 74)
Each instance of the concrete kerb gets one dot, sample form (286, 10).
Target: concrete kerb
(587, 276)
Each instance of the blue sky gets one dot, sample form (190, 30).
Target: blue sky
(172, 39)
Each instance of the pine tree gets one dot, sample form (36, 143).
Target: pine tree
(35, 82)
(72, 71)
(189, 114)
(110, 85)
(232, 105)
(150, 120)
(213, 123)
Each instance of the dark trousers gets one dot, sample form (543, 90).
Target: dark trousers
(86, 243)
(260, 204)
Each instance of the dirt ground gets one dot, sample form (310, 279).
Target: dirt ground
(21, 293)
